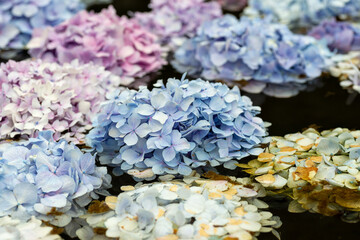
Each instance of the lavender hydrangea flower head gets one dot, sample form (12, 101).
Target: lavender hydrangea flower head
(11, 228)
(175, 20)
(51, 180)
(304, 13)
(341, 37)
(233, 5)
(116, 43)
(36, 96)
(18, 18)
(251, 49)
(176, 127)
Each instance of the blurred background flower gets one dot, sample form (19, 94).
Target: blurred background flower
(173, 21)
(304, 13)
(341, 37)
(19, 18)
(176, 127)
(36, 96)
(118, 44)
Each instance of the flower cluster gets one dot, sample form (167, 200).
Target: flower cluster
(194, 209)
(19, 18)
(37, 96)
(304, 13)
(31, 230)
(175, 20)
(321, 170)
(347, 69)
(177, 127)
(116, 43)
(341, 37)
(251, 49)
(233, 5)
(51, 180)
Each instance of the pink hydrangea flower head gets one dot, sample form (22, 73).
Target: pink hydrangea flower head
(117, 43)
(37, 95)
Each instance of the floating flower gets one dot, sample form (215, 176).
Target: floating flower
(341, 37)
(194, 209)
(233, 5)
(176, 20)
(320, 170)
(263, 54)
(176, 127)
(36, 96)
(304, 13)
(118, 44)
(33, 229)
(19, 18)
(50, 180)
(347, 69)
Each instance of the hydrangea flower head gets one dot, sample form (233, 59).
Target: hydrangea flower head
(304, 13)
(36, 96)
(311, 164)
(11, 228)
(194, 209)
(19, 18)
(341, 37)
(176, 127)
(50, 180)
(251, 49)
(233, 5)
(118, 44)
(347, 69)
(175, 20)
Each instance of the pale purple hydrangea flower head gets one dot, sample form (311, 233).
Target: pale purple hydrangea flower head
(252, 50)
(51, 180)
(175, 128)
(118, 44)
(36, 96)
(174, 20)
(341, 37)
(18, 18)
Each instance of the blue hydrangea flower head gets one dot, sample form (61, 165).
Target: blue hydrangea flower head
(251, 49)
(51, 180)
(18, 18)
(304, 13)
(176, 127)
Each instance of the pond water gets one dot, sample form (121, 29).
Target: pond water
(325, 106)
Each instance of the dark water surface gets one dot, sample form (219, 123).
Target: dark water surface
(327, 106)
